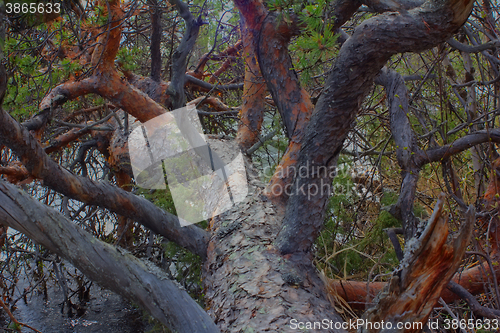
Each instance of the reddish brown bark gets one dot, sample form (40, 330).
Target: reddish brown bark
(124, 229)
(293, 102)
(214, 102)
(106, 81)
(199, 71)
(360, 295)
(65, 139)
(15, 173)
(254, 89)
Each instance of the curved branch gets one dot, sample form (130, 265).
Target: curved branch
(406, 147)
(110, 86)
(215, 87)
(40, 165)
(473, 49)
(254, 89)
(474, 305)
(459, 145)
(69, 91)
(108, 44)
(343, 11)
(179, 57)
(359, 61)
(113, 269)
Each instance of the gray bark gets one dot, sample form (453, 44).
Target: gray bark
(112, 268)
(358, 63)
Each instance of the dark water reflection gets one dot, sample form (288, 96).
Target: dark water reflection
(106, 312)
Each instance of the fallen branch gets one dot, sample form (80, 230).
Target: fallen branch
(112, 268)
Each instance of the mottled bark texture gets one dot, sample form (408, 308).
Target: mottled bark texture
(249, 286)
(258, 273)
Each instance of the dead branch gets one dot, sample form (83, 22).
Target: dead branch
(428, 265)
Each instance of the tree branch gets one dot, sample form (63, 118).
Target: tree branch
(459, 145)
(358, 63)
(179, 57)
(473, 49)
(343, 11)
(40, 165)
(117, 270)
(254, 89)
(382, 6)
(406, 147)
(212, 87)
(155, 41)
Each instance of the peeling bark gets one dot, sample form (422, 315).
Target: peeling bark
(427, 267)
(292, 101)
(249, 285)
(254, 89)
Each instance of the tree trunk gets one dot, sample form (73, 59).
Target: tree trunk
(249, 285)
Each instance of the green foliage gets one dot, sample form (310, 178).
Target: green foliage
(316, 44)
(15, 326)
(69, 67)
(187, 268)
(161, 198)
(127, 58)
(347, 250)
(377, 234)
(388, 198)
